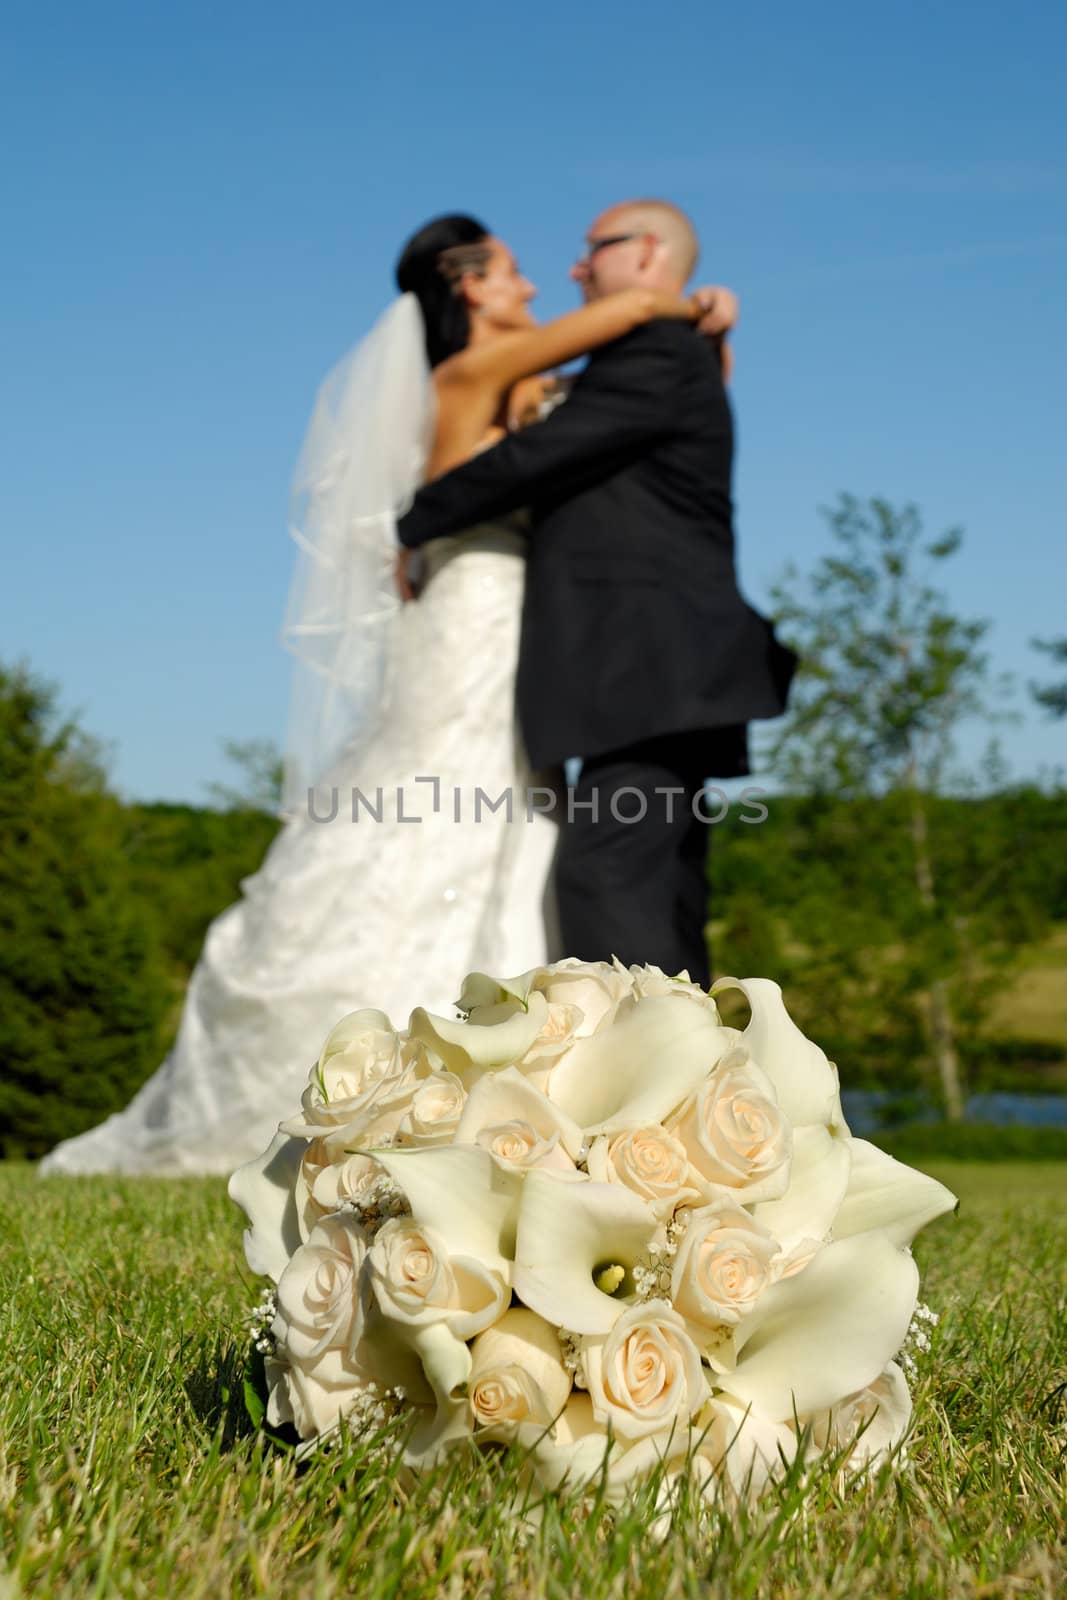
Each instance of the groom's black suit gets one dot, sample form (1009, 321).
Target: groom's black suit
(638, 652)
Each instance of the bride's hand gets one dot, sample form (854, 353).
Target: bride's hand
(404, 572)
(721, 310)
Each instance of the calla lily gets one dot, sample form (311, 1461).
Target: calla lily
(887, 1195)
(508, 1096)
(446, 1362)
(818, 1180)
(826, 1332)
(493, 1038)
(480, 991)
(265, 1189)
(462, 1193)
(805, 1082)
(569, 1235)
(790, 1290)
(642, 1067)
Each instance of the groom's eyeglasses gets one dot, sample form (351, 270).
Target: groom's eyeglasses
(593, 247)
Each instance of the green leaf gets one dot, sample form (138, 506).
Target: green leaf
(254, 1387)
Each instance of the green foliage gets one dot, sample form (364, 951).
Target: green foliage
(888, 672)
(82, 985)
(1052, 696)
(261, 767)
(921, 1142)
(103, 909)
(820, 896)
(186, 865)
(129, 1467)
(254, 1389)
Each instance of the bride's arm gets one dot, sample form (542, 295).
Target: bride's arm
(501, 362)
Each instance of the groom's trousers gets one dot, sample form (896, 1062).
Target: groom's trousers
(631, 868)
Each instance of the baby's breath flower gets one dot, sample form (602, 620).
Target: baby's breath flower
(378, 1204)
(259, 1322)
(571, 1356)
(917, 1340)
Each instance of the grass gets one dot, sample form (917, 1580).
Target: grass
(126, 1467)
(919, 1143)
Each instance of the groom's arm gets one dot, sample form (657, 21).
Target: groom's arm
(623, 405)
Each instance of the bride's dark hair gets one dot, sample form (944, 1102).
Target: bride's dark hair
(430, 267)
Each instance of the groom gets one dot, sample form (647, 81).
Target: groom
(638, 653)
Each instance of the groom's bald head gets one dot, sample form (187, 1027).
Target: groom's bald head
(661, 253)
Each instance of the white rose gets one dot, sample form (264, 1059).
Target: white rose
(561, 1028)
(314, 1399)
(653, 981)
(352, 1179)
(574, 1452)
(518, 1144)
(328, 1178)
(319, 1369)
(733, 1132)
(740, 1450)
(434, 1112)
(596, 988)
(365, 1077)
(578, 996)
(662, 1456)
(416, 1282)
(724, 1262)
(517, 1374)
(874, 1421)
(510, 1117)
(805, 1083)
(645, 1375)
(318, 1293)
(648, 1160)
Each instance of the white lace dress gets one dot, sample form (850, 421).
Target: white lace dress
(389, 913)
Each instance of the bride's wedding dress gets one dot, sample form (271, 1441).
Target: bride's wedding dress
(385, 910)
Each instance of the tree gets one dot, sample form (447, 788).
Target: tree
(1052, 696)
(82, 990)
(261, 767)
(888, 672)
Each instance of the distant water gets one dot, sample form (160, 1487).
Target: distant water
(867, 1110)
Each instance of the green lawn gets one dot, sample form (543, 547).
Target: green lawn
(126, 1467)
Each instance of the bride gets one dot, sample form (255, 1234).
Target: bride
(399, 868)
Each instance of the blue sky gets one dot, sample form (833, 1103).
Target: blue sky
(206, 202)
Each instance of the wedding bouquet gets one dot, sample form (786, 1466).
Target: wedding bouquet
(588, 1218)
